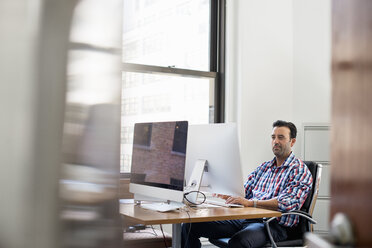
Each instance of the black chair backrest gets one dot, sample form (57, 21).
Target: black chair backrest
(303, 226)
(313, 167)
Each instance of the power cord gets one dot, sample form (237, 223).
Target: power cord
(165, 242)
(137, 229)
(197, 192)
(188, 233)
(153, 230)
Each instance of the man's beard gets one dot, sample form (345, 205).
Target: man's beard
(277, 150)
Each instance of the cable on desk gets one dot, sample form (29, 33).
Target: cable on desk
(194, 191)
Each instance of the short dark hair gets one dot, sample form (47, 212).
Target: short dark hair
(290, 125)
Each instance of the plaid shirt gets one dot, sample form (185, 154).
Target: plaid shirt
(289, 183)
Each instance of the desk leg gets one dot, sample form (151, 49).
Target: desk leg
(176, 235)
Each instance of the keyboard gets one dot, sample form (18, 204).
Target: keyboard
(210, 199)
(222, 203)
(162, 206)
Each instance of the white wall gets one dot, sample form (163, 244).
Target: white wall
(278, 57)
(311, 63)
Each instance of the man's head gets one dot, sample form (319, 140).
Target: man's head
(283, 137)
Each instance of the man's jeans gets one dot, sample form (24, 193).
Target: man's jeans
(242, 233)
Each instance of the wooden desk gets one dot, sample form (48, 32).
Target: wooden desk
(139, 215)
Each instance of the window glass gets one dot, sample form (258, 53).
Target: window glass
(160, 37)
(171, 33)
(162, 98)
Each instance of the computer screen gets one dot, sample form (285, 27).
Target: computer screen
(158, 160)
(218, 144)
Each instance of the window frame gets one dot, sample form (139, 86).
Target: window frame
(216, 61)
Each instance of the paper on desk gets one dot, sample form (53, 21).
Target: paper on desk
(126, 201)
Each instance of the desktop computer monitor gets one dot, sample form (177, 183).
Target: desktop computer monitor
(158, 161)
(218, 144)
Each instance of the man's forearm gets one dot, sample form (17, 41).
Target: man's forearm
(268, 204)
(271, 204)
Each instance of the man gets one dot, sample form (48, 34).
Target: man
(281, 184)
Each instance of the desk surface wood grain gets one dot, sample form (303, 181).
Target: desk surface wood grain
(139, 215)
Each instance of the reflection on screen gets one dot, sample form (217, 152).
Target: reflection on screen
(159, 153)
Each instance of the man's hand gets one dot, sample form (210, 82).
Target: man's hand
(271, 204)
(235, 200)
(225, 197)
(239, 200)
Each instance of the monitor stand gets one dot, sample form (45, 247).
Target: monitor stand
(193, 185)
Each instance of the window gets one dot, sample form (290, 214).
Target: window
(173, 65)
(126, 135)
(179, 140)
(143, 137)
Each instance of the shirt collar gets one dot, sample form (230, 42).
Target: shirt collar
(287, 161)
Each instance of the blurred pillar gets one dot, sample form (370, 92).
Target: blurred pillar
(91, 137)
(351, 177)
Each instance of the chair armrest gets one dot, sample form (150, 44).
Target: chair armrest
(293, 212)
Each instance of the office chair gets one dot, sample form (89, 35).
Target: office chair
(295, 234)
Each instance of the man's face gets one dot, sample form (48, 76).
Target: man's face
(281, 142)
